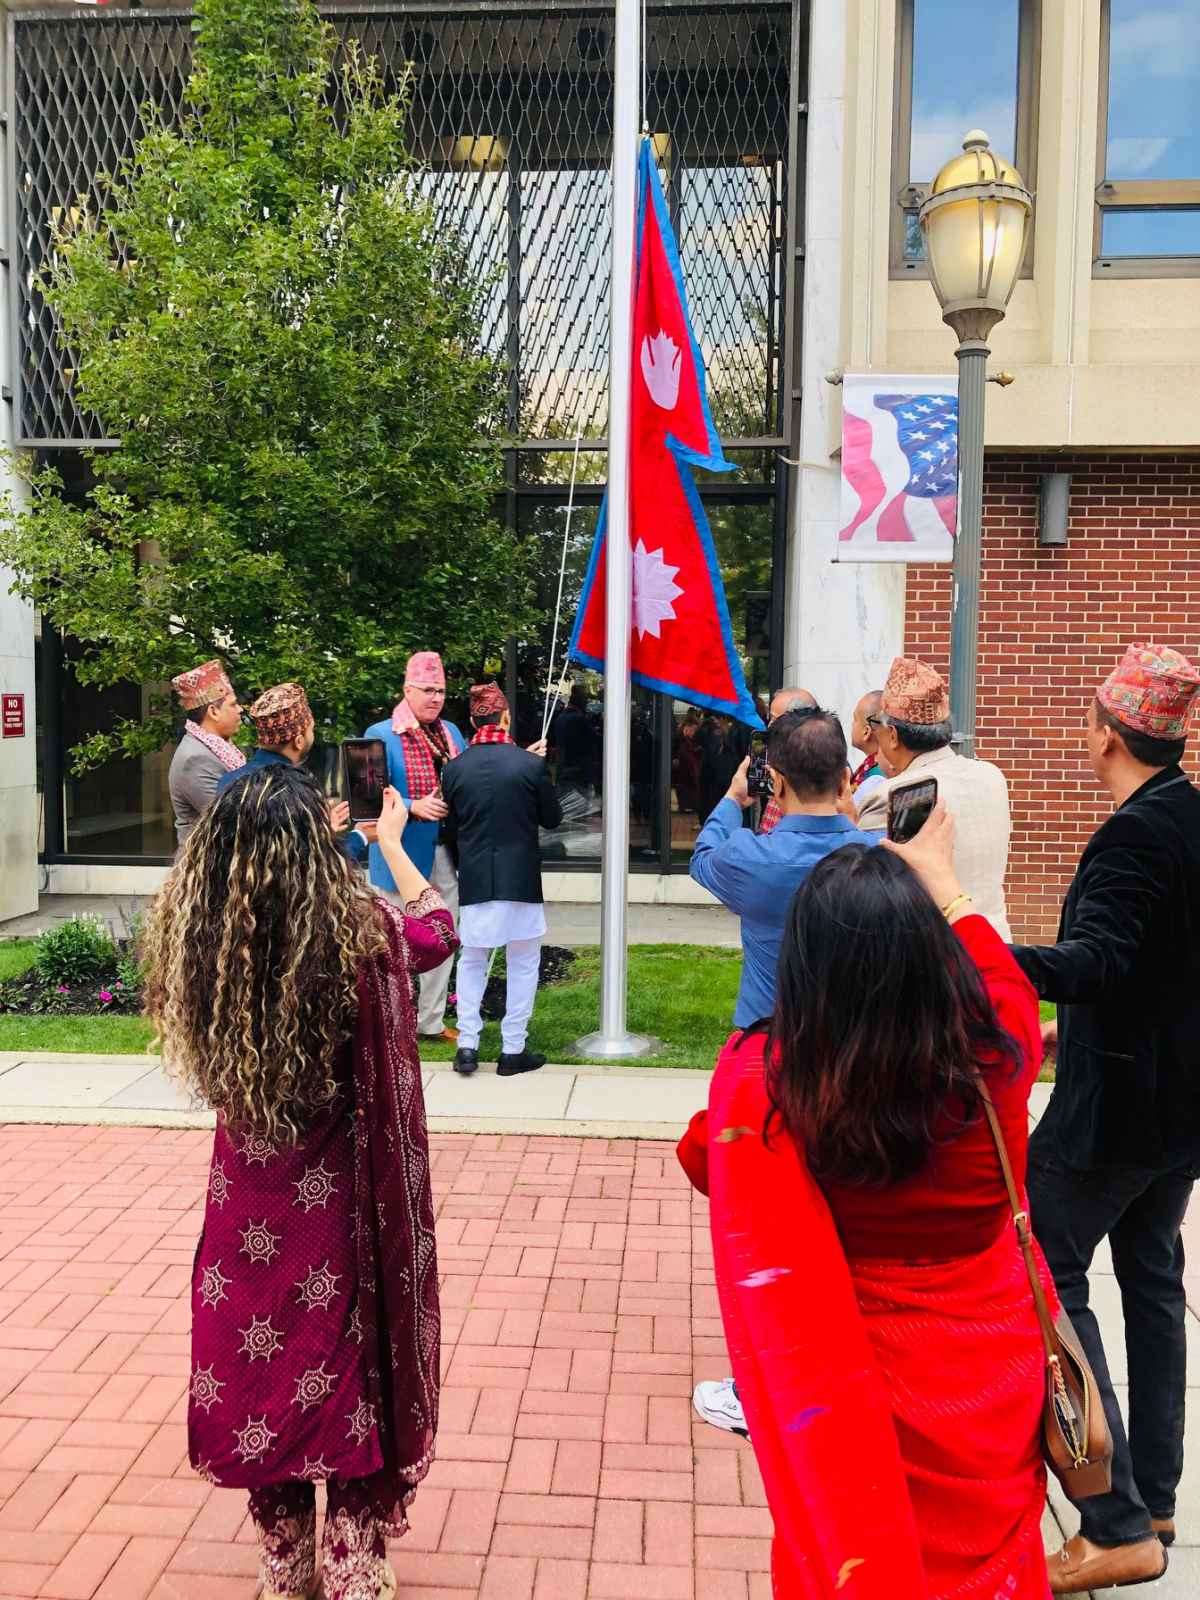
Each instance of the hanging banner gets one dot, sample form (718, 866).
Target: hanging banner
(899, 468)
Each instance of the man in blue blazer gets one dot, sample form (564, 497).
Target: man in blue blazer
(419, 745)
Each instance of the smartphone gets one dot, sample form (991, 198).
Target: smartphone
(909, 808)
(758, 779)
(366, 777)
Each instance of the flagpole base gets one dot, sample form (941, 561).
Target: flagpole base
(616, 1047)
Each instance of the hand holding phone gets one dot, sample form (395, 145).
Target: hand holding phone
(758, 779)
(909, 808)
(366, 777)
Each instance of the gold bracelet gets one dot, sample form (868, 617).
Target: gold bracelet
(956, 904)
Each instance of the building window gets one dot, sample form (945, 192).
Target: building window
(1148, 196)
(957, 68)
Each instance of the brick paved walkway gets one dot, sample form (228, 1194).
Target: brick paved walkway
(578, 1310)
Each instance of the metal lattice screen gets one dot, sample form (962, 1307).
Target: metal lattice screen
(511, 121)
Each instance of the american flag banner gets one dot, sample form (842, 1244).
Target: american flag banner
(899, 468)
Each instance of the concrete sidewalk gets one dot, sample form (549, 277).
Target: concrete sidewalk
(569, 922)
(585, 1102)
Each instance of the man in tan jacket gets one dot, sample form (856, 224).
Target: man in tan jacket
(912, 728)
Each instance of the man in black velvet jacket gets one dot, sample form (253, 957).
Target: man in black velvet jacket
(498, 796)
(1119, 1146)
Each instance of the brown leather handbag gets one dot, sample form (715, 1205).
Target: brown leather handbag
(1076, 1441)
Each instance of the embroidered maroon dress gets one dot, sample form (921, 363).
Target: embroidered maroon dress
(315, 1328)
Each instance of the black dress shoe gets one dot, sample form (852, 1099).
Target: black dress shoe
(522, 1061)
(466, 1062)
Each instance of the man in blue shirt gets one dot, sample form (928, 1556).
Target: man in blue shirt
(756, 874)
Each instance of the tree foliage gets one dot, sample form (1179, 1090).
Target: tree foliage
(265, 316)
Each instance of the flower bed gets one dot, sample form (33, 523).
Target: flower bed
(77, 969)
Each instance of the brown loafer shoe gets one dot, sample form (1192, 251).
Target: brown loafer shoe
(1080, 1565)
(447, 1036)
(1164, 1527)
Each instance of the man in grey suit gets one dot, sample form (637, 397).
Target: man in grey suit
(205, 752)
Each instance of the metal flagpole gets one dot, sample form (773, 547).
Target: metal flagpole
(613, 1038)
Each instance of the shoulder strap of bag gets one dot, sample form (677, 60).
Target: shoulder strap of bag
(1020, 1218)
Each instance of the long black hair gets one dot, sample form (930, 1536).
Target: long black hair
(879, 1016)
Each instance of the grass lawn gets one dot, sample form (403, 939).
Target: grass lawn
(16, 957)
(683, 994)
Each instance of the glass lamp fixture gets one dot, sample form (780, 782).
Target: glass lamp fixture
(975, 221)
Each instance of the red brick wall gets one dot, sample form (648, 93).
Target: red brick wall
(1052, 623)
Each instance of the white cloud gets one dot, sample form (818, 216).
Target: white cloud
(938, 130)
(1129, 158)
(1157, 44)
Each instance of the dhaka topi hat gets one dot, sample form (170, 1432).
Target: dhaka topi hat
(915, 693)
(280, 715)
(425, 670)
(1150, 690)
(487, 700)
(202, 686)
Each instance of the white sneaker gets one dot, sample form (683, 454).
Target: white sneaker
(718, 1404)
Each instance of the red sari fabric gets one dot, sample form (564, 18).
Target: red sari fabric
(894, 1406)
(315, 1330)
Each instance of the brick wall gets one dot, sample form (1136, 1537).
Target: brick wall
(1052, 623)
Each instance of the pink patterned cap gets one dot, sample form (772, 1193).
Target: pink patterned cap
(1150, 690)
(915, 693)
(202, 686)
(425, 670)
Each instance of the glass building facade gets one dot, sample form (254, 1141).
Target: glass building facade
(511, 123)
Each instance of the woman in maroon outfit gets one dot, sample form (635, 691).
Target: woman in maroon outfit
(282, 991)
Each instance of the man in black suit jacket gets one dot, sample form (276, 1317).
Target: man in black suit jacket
(498, 796)
(1119, 1146)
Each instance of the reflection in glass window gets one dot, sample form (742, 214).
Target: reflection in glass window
(1153, 98)
(965, 63)
(964, 76)
(1150, 233)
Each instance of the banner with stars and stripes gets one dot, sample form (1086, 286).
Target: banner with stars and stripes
(899, 468)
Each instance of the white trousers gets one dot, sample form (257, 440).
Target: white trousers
(522, 957)
(434, 986)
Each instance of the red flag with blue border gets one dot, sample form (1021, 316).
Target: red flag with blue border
(682, 641)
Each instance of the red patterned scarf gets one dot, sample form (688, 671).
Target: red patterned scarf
(427, 747)
(772, 812)
(493, 734)
(230, 757)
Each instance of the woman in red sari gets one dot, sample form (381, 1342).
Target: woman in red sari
(875, 1302)
(282, 990)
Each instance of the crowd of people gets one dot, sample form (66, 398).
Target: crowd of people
(889, 1364)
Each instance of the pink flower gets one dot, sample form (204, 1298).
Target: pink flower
(452, 999)
(106, 995)
(62, 989)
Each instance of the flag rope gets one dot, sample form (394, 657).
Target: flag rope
(553, 693)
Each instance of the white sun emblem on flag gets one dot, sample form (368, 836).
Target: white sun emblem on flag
(258, 1242)
(314, 1188)
(361, 1420)
(206, 1389)
(654, 590)
(213, 1285)
(318, 1287)
(312, 1387)
(260, 1339)
(255, 1439)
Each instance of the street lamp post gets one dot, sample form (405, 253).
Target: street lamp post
(975, 221)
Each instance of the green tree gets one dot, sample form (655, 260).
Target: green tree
(264, 315)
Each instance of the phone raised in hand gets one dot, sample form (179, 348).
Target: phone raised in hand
(366, 777)
(758, 779)
(909, 808)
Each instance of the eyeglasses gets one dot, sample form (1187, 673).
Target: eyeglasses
(875, 722)
(426, 688)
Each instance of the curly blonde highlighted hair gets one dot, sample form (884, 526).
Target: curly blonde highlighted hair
(252, 954)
